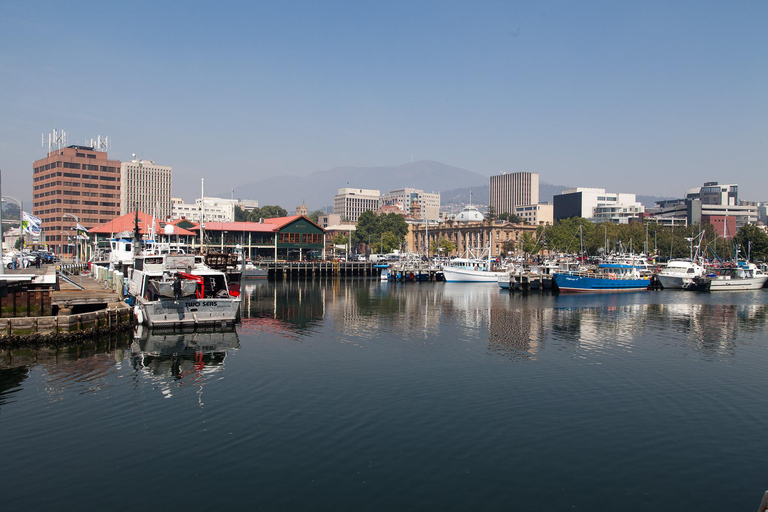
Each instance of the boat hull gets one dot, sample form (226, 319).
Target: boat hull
(735, 285)
(186, 312)
(580, 284)
(460, 275)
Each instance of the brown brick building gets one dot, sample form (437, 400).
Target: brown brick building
(75, 180)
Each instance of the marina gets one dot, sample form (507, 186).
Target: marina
(356, 387)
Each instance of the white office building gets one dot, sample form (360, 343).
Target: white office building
(351, 202)
(145, 186)
(596, 204)
(216, 209)
(535, 214)
(428, 202)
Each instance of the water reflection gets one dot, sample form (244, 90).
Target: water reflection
(293, 307)
(180, 359)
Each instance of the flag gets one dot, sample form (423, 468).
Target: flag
(81, 232)
(30, 224)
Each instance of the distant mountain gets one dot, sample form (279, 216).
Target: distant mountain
(480, 194)
(318, 188)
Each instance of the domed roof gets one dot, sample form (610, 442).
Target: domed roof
(469, 214)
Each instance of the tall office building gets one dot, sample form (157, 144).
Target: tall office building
(509, 190)
(351, 202)
(146, 186)
(74, 182)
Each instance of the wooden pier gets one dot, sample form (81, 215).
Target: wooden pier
(293, 269)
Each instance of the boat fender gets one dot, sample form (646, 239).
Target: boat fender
(612, 276)
(139, 315)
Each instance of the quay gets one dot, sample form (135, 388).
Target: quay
(277, 270)
(58, 302)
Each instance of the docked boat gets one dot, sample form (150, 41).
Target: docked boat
(679, 274)
(468, 270)
(170, 290)
(608, 277)
(251, 271)
(737, 277)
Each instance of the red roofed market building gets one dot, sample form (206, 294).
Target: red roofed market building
(283, 238)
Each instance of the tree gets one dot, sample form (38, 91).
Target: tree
(314, 216)
(240, 214)
(491, 213)
(443, 247)
(511, 217)
(530, 245)
(271, 212)
(753, 240)
(340, 239)
(368, 228)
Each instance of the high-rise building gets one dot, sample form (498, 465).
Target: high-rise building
(351, 202)
(428, 202)
(508, 190)
(146, 186)
(76, 182)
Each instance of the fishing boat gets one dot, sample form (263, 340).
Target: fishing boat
(608, 277)
(737, 277)
(463, 270)
(170, 290)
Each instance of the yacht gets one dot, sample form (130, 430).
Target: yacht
(737, 277)
(679, 274)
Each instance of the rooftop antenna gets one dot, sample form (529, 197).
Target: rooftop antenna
(100, 144)
(56, 140)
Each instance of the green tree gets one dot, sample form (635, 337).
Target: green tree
(753, 240)
(511, 217)
(530, 244)
(271, 212)
(491, 213)
(315, 215)
(368, 228)
(443, 243)
(340, 239)
(389, 241)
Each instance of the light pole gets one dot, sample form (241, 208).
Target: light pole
(21, 217)
(77, 237)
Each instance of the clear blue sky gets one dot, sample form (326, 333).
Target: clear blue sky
(646, 97)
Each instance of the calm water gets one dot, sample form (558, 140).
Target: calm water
(360, 395)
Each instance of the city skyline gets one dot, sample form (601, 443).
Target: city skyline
(647, 99)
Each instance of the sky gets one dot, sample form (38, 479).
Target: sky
(650, 97)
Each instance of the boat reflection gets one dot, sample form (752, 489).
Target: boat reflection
(182, 357)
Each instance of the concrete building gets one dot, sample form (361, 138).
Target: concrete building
(468, 236)
(77, 181)
(508, 190)
(216, 209)
(535, 214)
(145, 186)
(351, 202)
(429, 203)
(596, 204)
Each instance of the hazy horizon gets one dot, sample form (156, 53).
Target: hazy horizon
(643, 98)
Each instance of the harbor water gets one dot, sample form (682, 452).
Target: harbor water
(374, 396)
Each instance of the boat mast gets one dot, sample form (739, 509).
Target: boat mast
(202, 215)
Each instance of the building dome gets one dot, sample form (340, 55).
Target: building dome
(469, 214)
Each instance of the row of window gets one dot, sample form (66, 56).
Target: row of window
(300, 238)
(75, 192)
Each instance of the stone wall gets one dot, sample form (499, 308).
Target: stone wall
(117, 316)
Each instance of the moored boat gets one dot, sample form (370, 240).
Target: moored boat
(179, 290)
(608, 277)
(737, 277)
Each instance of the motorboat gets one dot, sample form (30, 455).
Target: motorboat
(251, 271)
(679, 274)
(171, 290)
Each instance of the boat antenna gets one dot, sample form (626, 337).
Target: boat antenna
(136, 231)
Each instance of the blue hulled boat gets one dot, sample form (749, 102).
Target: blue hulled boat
(609, 277)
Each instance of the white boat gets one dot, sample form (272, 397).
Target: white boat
(679, 274)
(251, 271)
(162, 297)
(737, 277)
(468, 270)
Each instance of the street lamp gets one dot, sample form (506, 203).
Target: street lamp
(77, 238)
